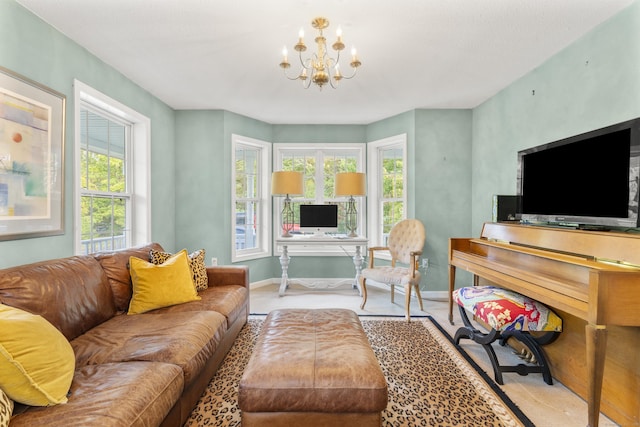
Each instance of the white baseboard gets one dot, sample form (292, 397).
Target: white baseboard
(426, 294)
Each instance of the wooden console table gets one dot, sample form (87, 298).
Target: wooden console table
(594, 276)
(317, 241)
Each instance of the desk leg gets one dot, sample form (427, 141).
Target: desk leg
(452, 283)
(596, 340)
(357, 261)
(284, 263)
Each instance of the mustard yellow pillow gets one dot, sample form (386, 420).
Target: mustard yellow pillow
(156, 286)
(36, 361)
(196, 262)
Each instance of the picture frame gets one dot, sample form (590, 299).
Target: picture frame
(32, 139)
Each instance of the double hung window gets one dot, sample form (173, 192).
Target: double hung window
(112, 202)
(251, 199)
(319, 165)
(387, 184)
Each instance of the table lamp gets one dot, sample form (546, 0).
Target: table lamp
(351, 184)
(287, 183)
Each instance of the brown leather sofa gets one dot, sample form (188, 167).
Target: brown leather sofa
(131, 370)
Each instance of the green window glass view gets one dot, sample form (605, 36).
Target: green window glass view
(319, 181)
(392, 191)
(250, 199)
(247, 197)
(387, 192)
(104, 195)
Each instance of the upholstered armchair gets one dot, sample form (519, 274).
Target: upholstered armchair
(405, 244)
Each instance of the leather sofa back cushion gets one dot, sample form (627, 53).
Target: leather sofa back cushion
(72, 293)
(116, 266)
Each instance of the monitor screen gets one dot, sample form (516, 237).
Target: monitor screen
(318, 218)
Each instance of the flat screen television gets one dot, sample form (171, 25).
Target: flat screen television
(588, 180)
(319, 219)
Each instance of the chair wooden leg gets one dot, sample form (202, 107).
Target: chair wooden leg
(407, 301)
(363, 288)
(393, 294)
(417, 288)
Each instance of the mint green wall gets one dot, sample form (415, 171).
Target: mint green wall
(319, 134)
(593, 83)
(202, 192)
(34, 49)
(443, 186)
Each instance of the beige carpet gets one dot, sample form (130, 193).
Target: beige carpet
(430, 383)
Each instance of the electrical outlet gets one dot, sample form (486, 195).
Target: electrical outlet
(425, 263)
(214, 262)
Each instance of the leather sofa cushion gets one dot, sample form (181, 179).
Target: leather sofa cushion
(116, 267)
(184, 339)
(228, 300)
(114, 394)
(72, 293)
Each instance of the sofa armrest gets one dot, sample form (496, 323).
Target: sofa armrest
(228, 275)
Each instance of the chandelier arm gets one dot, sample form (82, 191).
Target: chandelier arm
(291, 78)
(302, 61)
(306, 83)
(355, 70)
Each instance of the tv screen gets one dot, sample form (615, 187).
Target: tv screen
(318, 218)
(587, 179)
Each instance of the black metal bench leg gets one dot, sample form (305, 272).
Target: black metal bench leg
(486, 339)
(532, 344)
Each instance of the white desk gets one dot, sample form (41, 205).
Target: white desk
(312, 240)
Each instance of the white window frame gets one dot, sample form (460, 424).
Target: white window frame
(263, 234)
(359, 149)
(374, 184)
(140, 161)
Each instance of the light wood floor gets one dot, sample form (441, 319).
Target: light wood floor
(546, 406)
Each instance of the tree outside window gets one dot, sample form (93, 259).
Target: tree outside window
(104, 197)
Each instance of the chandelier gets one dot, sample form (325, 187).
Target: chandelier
(320, 68)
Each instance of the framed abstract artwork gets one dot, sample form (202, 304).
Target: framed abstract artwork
(32, 124)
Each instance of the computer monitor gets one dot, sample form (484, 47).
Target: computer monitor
(319, 219)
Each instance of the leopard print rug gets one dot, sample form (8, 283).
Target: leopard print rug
(430, 382)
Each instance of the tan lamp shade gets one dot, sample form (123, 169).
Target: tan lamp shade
(350, 184)
(286, 183)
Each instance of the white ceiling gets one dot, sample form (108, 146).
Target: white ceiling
(224, 54)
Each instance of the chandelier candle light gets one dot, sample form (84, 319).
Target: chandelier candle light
(287, 183)
(320, 68)
(351, 184)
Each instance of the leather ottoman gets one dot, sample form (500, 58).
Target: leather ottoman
(312, 368)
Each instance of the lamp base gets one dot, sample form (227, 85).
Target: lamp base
(352, 217)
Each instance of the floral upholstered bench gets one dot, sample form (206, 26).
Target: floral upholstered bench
(509, 314)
